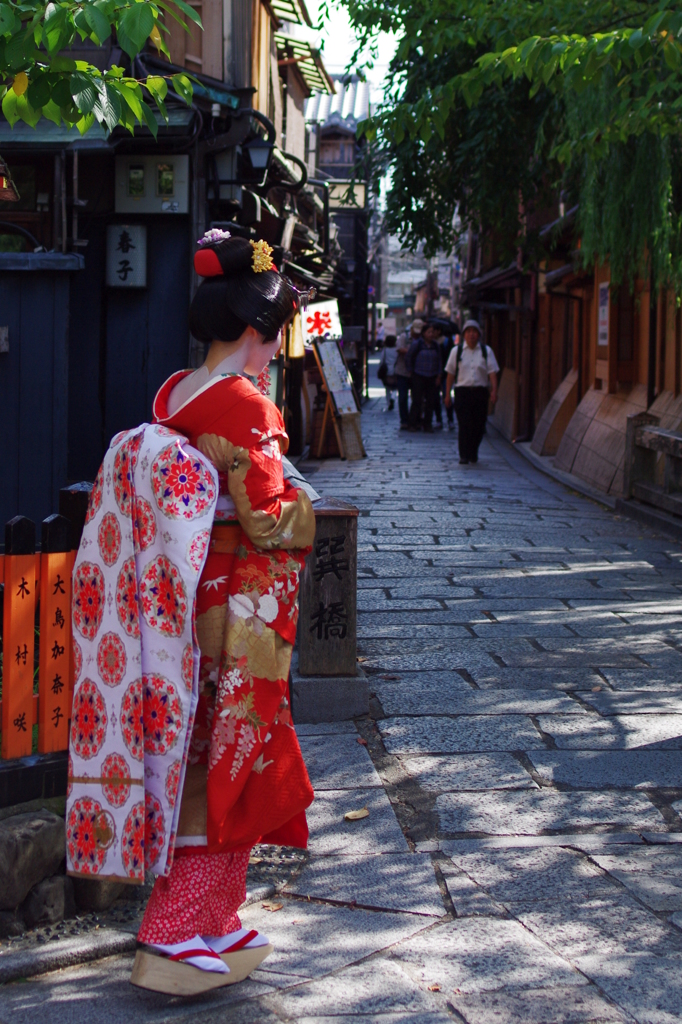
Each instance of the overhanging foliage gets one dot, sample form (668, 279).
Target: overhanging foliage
(492, 105)
(39, 78)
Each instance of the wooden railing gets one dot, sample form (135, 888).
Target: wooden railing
(646, 445)
(37, 648)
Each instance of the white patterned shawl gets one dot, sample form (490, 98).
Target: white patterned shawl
(136, 660)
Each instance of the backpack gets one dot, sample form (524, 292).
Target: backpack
(460, 349)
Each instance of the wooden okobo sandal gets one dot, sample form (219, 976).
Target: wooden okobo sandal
(243, 955)
(170, 975)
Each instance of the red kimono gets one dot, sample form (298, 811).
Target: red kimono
(246, 780)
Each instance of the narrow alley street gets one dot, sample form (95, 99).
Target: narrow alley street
(522, 857)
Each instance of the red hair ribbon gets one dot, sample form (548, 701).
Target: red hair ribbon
(207, 264)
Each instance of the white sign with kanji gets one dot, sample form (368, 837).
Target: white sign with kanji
(321, 318)
(127, 256)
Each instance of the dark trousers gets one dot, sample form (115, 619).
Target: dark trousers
(424, 391)
(471, 407)
(403, 394)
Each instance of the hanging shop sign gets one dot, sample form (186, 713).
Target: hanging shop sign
(322, 319)
(127, 256)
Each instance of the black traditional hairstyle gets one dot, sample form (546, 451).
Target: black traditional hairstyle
(236, 296)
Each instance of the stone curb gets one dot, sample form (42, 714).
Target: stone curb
(81, 949)
(65, 953)
(654, 518)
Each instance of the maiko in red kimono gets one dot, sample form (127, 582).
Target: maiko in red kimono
(246, 781)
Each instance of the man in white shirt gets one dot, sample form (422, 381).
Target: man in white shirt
(472, 369)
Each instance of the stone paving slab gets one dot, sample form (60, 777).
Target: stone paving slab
(616, 656)
(588, 769)
(648, 987)
(428, 1017)
(448, 680)
(409, 697)
(370, 989)
(416, 632)
(556, 1005)
(637, 702)
(462, 734)
(619, 732)
(477, 954)
(331, 834)
(503, 630)
(402, 882)
(508, 812)
(574, 677)
(469, 898)
(641, 679)
(444, 774)
(338, 762)
(618, 926)
(313, 939)
(548, 875)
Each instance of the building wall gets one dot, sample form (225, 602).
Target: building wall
(296, 96)
(195, 50)
(616, 384)
(261, 50)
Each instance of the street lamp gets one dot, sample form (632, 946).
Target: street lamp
(259, 152)
(8, 190)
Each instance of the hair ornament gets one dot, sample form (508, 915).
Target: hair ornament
(214, 236)
(262, 257)
(304, 296)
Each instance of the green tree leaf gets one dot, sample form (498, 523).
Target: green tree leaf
(83, 91)
(134, 27)
(97, 21)
(183, 87)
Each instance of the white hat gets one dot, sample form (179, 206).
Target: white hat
(473, 323)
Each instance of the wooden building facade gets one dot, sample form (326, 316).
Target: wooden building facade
(577, 355)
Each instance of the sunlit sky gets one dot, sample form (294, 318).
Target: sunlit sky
(339, 44)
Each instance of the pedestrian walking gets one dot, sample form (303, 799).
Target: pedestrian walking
(386, 371)
(472, 369)
(424, 362)
(403, 373)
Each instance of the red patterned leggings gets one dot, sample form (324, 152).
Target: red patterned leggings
(200, 896)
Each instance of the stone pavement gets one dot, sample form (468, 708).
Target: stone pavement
(522, 767)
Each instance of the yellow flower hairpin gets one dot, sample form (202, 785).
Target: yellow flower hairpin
(262, 257)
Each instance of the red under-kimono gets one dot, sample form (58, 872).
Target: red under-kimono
(246, 781)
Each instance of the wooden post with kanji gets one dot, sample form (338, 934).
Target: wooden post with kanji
(55, 635)
(18, 637)
(328, 596)
(327, 684)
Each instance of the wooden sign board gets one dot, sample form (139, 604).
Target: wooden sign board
(341, 406)
(336, 376)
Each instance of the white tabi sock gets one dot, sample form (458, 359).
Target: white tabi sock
(223, 943)
(204, 958)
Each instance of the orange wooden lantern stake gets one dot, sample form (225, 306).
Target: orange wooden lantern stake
(55, 636)
(18, 634)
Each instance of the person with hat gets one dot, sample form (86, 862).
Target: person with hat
(472, 370)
